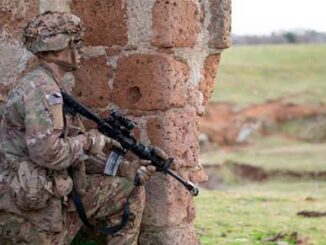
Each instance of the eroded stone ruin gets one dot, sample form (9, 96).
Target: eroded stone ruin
(156, 60)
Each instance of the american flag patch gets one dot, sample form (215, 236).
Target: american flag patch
(54, 99)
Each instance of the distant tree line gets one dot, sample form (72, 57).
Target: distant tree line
(302, 36)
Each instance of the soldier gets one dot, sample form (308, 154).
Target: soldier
(40, 143)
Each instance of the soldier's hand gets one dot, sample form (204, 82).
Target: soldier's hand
(144, 173)
(97, 142)
(138, 168)
(111, 143)
(161, 153)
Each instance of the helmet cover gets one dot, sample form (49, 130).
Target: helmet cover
(52, 31)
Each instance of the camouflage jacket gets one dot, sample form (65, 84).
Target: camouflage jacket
(32, 125)
(36, 143)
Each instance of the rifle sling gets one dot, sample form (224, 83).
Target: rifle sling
(83, 217)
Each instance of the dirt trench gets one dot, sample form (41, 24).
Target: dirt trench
(230, 172)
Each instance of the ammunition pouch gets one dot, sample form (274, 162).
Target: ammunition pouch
(62, 185)
(30, 186)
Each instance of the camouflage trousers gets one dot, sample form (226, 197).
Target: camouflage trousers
(103, 201)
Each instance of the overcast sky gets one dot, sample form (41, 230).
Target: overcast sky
(266, 16)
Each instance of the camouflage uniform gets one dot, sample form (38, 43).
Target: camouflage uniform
(39, 144)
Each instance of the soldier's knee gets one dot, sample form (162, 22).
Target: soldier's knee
(137, 198)
(14, 229)
(126, 185)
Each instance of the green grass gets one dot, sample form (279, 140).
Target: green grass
(247, 215)
(253, 74)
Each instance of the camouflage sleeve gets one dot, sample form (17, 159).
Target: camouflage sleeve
(44, 130)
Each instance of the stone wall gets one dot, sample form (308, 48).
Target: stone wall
(157, 60)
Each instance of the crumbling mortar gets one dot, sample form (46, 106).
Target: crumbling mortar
(195, 57)
(93, 52)
(18, 55)
(140, 23)
(55, 5)
(222, 20)
(112, 61)
(142, 125)
(158, 112)
(16, 7)
(215, 51)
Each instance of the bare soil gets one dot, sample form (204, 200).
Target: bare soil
(224, 125)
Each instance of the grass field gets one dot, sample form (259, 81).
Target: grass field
(248, 213)
(252, 214)
(253, 74)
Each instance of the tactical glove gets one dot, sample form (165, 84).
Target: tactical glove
(161, 153)
(97, 141)
(142, 168)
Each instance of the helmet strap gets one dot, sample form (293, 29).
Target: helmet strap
(73, 49)
(67, 66)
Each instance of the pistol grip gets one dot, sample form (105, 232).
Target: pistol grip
(137, 181)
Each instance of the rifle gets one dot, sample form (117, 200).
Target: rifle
(119, 127)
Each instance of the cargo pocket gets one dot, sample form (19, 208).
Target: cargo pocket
(30, 187)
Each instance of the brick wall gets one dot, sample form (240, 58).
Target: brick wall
(157, 60)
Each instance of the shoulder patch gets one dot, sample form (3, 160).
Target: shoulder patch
(54, 99)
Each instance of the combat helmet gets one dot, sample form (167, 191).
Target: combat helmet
(53, 31)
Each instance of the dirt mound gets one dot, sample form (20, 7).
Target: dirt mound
(224, 125)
